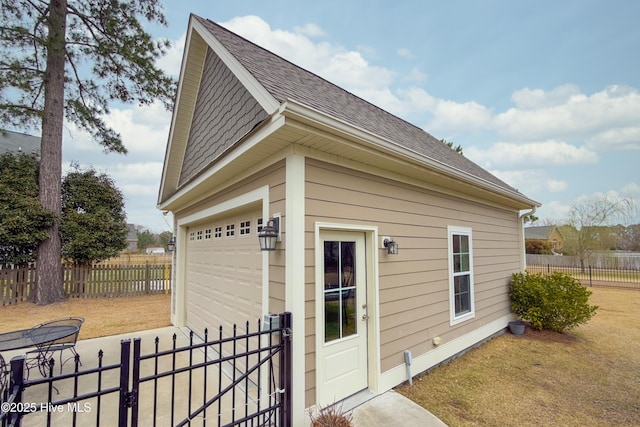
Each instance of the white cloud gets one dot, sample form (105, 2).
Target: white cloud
(450, 115)
(351, 70)
(624, 138)
(547, 153)
(143, 130)
(417, 76)
(346, 68)
(405, 53)
(556, 186)
(137, 172)
(555, 211)
(416, 99)
(564, 113)
(528, 99)
(172, 61)
(310, 30)
(531, 181)
(632, 189)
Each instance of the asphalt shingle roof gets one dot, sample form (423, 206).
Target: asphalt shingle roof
(539, 233)
(14, 142)
(285, 80)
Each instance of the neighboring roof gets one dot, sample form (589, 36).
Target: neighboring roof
(539, 233)
(285, 80)
(14, 142)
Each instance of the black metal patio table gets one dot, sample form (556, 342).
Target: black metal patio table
(34, 337)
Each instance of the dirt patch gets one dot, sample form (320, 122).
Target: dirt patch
(550, 336)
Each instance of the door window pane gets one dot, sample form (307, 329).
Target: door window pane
(339, 290)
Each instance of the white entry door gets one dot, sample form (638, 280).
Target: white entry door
(342, 311)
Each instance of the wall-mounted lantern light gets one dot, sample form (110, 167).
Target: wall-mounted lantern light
(268, 236)
(391, 245)
(171, 244)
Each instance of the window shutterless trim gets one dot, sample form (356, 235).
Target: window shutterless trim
(461, 267)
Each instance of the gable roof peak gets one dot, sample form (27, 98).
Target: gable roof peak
(284, 81)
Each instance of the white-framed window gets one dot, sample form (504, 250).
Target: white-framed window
(217, 232)
(258, 226)
(207, 234)
(192, 235)
(199, 235)
(461, 292)
(245, 228)
(231, 230)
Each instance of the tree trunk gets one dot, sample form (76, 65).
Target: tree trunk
(49, 281)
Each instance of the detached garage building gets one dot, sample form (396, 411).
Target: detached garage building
(254, 137)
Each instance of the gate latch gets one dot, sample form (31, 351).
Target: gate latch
(130, 398)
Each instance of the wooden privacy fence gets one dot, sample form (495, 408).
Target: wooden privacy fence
(90, 282)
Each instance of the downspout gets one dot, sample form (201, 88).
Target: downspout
(523, 255)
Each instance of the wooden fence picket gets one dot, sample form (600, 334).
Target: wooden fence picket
(102, 280)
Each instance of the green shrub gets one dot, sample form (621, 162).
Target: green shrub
(555, 302)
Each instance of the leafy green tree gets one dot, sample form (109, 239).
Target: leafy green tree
(94, 226)
(164, 237)
(145, 239)
(69, 59)
(23, 220)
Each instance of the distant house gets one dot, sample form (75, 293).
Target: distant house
(14, 142)
(548, 233)
(257, 141)
(132, 239)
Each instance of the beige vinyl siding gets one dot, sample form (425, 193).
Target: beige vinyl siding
(414, 285)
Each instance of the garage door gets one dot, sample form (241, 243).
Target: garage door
(224, 273)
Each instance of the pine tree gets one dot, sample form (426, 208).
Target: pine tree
(68, 60)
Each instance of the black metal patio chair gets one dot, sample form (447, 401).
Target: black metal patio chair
(50, 338)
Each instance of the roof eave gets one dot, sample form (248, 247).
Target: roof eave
(299, 111)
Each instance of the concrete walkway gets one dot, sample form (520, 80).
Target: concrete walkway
(393, 409)
(387, 409)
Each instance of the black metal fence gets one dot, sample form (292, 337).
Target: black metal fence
(242, 380)
(594, 276)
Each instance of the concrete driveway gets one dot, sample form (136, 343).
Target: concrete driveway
(387, 409)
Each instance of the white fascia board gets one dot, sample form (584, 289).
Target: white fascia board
(266, 100)
(294, 109)
(261, 133)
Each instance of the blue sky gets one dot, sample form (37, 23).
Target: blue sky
(545, 95)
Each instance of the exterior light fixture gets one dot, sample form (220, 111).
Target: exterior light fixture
(171, 244)
(268, 236)
(391, 245)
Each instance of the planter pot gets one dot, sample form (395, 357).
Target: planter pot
(516, 328)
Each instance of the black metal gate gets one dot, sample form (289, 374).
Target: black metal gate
(241, 380)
